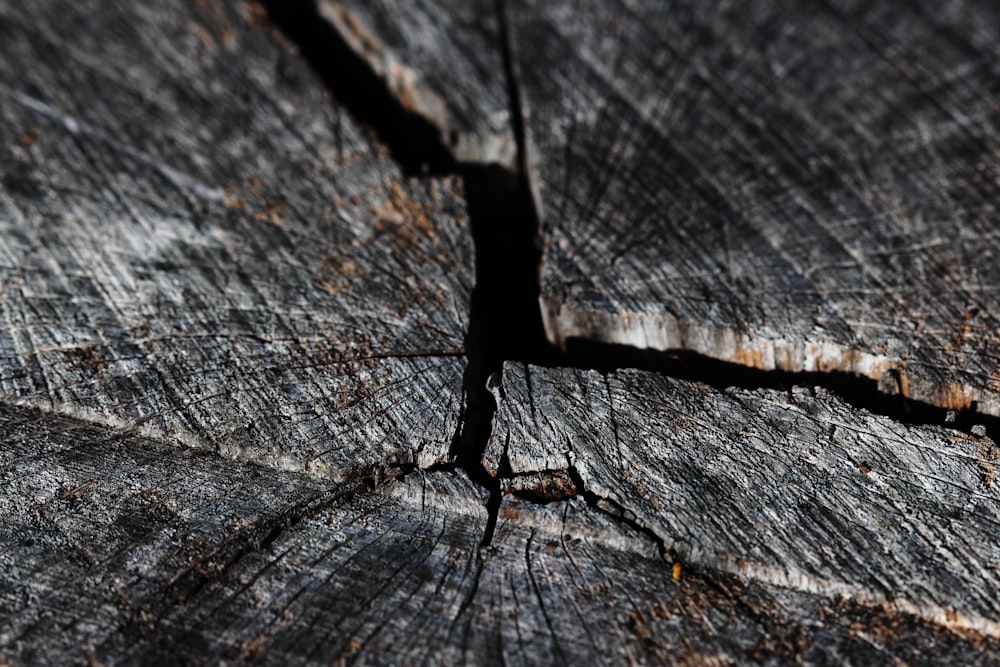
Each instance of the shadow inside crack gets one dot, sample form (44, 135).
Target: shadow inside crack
(505, 321)
(415, 143)
(859, 392)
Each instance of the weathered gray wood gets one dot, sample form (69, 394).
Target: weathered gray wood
(804, 186)
(560, 585)
(442, 60)
(798, 185)
(196, 247)
(196, 243)
(123, 550)
(795, 490)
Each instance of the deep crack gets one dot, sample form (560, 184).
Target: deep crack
(505, 322)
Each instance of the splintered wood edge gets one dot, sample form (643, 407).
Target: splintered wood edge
(665, 332)
(411, 88)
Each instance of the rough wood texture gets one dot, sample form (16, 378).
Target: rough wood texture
(198, 248)
(195, 243)
(797, 185)
(796, 490)
(395, 578)
(804, 186)
(123, 550)
(99, 530)
(440, 59)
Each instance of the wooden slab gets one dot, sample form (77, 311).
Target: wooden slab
(804, 186)
(799, 186)
(196, 243)
(795, 490)
(123, 550)
(442, 60)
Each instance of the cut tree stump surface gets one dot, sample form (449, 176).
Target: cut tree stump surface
(103, 531)
(196, 243)
(124, 550)
(239, 421)
(803, 186)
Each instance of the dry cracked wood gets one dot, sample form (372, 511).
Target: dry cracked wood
(99, 530)
(804, 186)
(123, 550)
(559, 585)
(196, 243)
(796, 490)
(198, 248)
(798, 185)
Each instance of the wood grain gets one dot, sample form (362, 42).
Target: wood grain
(232, 337)
(559, 585)
(797, 490)
(196, 243)
(99, 530)
(802, 186)
(124, 550)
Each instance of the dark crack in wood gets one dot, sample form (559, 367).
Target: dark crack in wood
(802, 188)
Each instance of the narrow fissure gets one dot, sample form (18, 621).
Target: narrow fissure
(619, 513)
(505, 321)
(859, 392)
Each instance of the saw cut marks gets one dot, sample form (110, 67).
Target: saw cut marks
(795, 490)
(196, 243)
(804, 186)
(121, 549)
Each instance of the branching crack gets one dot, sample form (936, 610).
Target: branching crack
(615, 510)
(505, 321)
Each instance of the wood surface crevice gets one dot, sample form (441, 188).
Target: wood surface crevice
(504, 321)
(601, 350)
(530, 32)
(673, 457)
(216, 299)
(423, 477)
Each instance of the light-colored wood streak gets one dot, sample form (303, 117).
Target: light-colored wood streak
(805, 186)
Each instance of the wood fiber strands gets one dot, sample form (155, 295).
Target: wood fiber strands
(442, 60)
(798, 186)
(125, 550)
(797, 490)
(241, 411)
(802, 186)
(196, 243)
